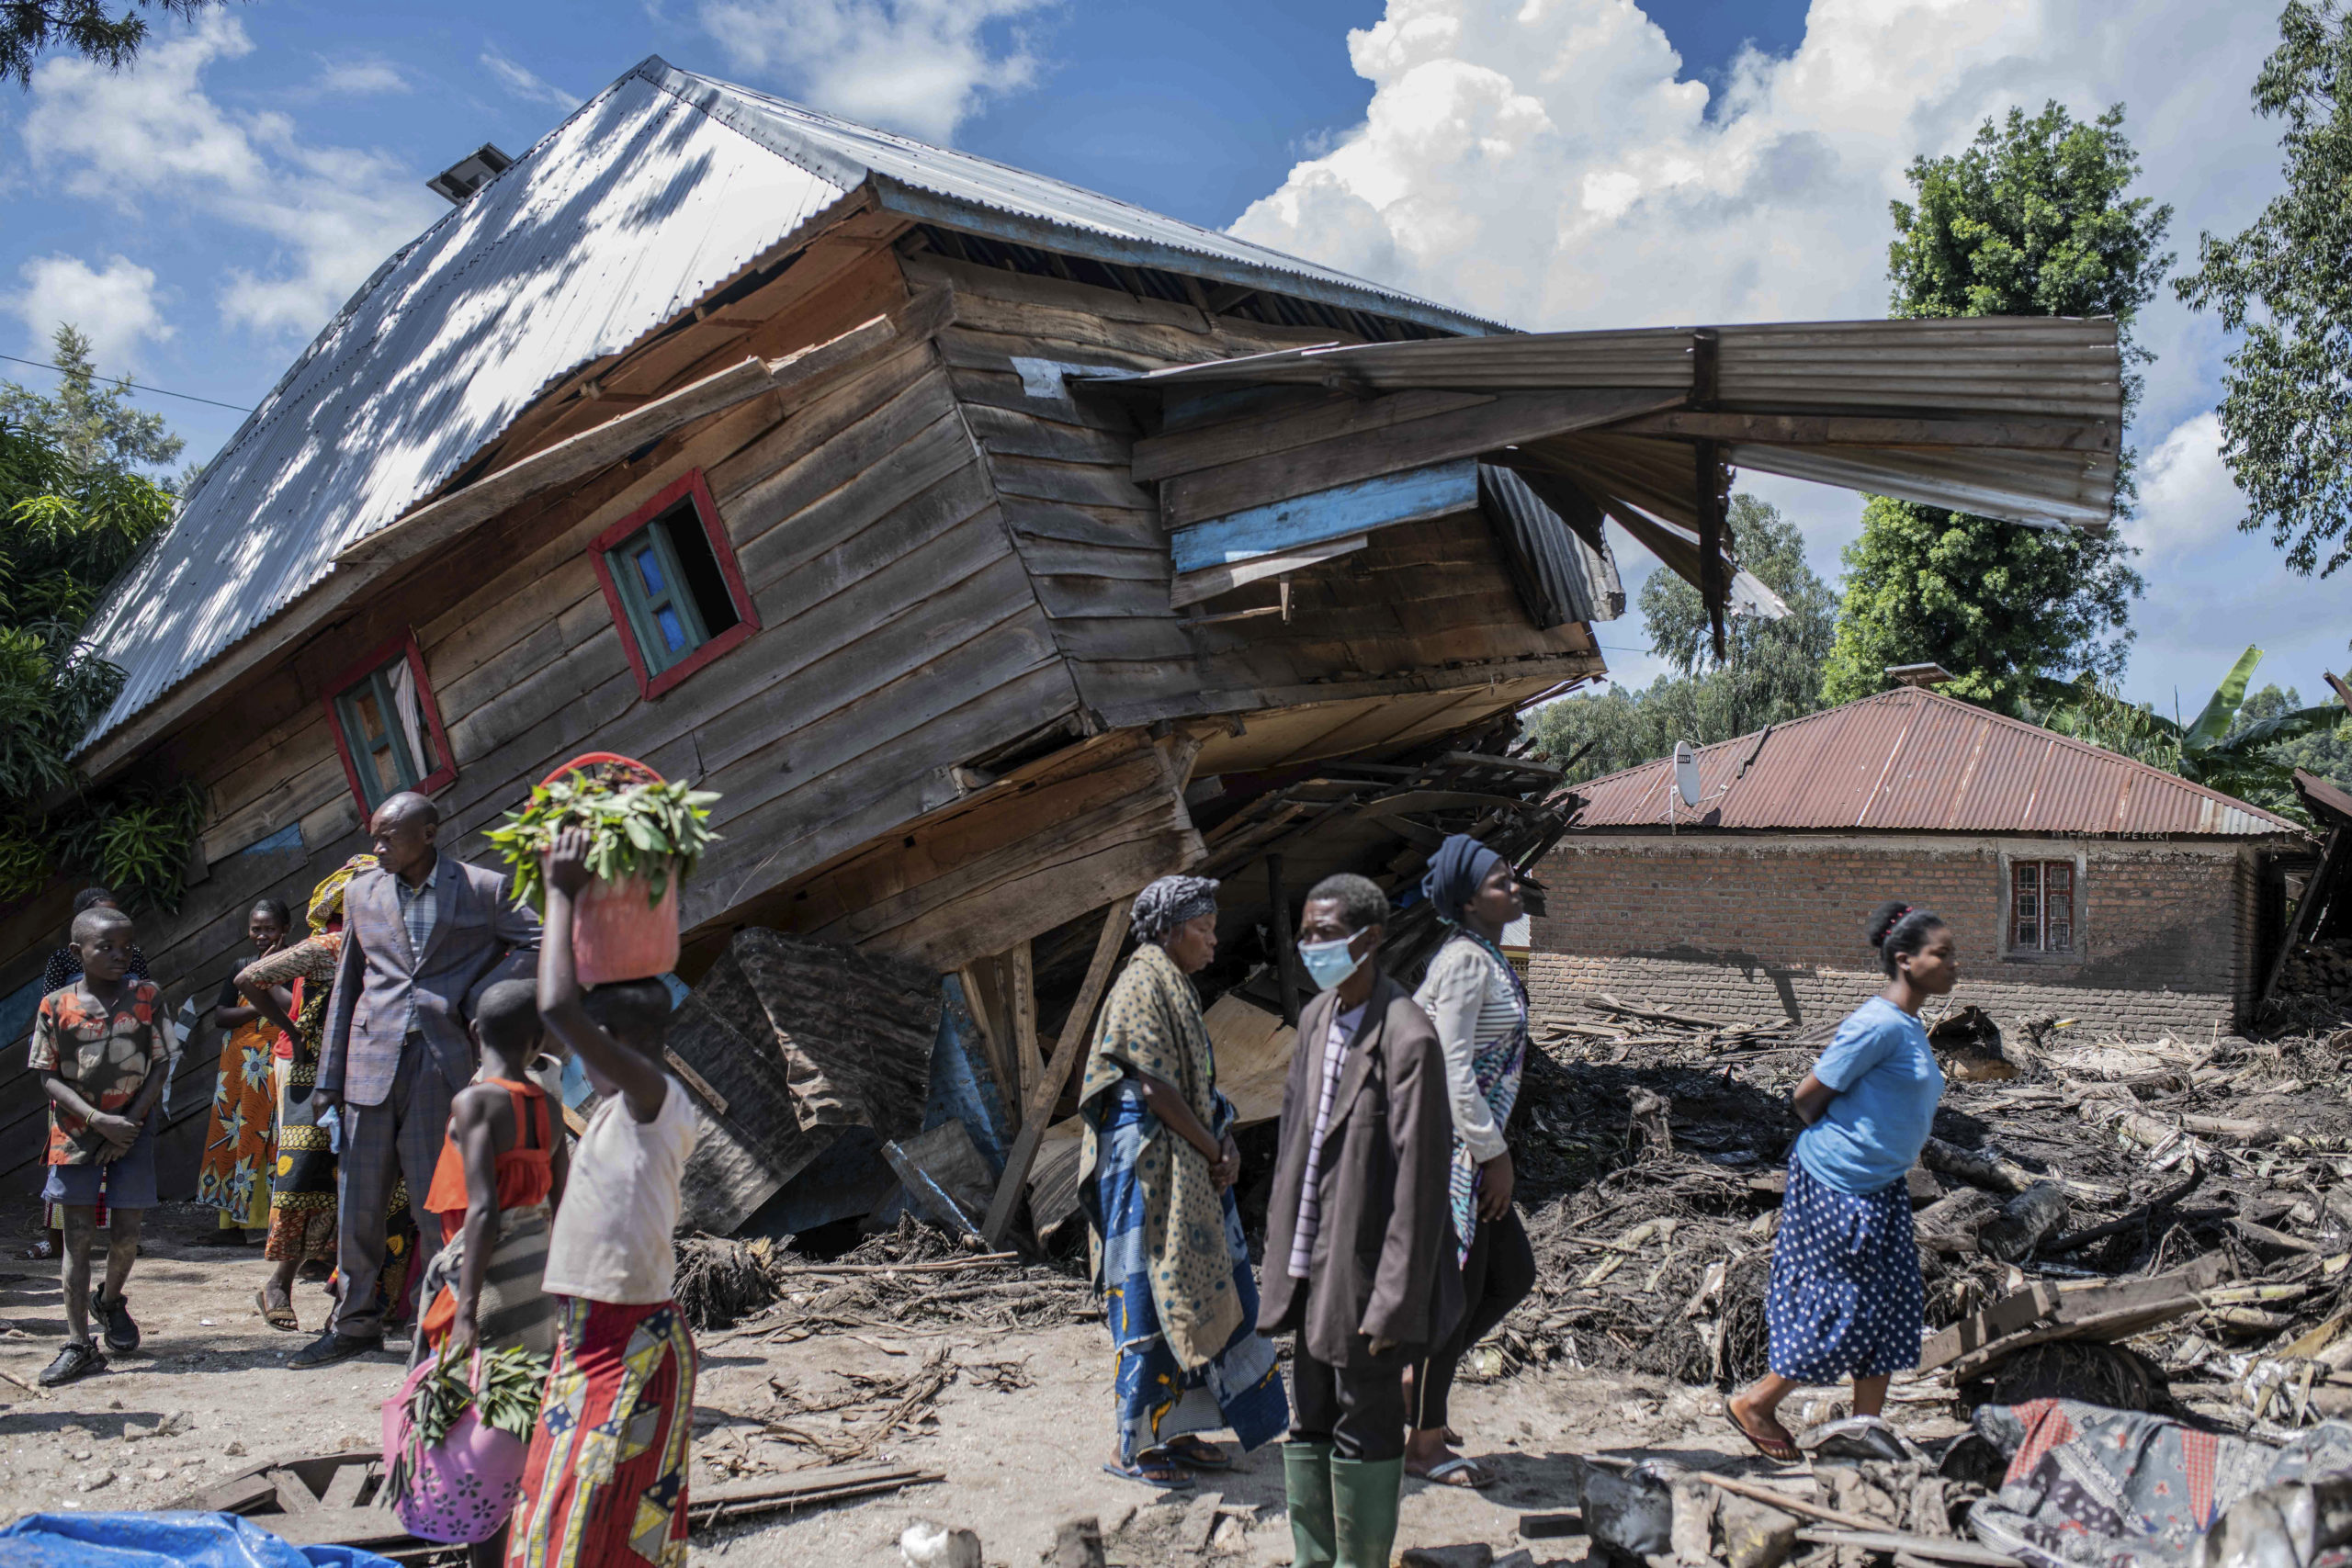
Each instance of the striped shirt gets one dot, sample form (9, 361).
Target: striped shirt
(1471, 1001)
(419, 906)
(1311, 1199)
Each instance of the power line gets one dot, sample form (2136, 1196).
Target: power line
(135, 385)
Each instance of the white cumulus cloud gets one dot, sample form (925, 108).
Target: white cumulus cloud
(1545, 162)
(115, 307)
(2187, 501)
(529, 86)
(917, 66)
(360, 78)
(152, 136)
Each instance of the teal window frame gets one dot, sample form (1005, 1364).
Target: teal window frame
(687, 597)
(425, 767)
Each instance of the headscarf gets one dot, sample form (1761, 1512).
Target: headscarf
(326, 898)
(1168, 903)
(1461, 864)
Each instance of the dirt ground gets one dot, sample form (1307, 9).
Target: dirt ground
(1016, 1463)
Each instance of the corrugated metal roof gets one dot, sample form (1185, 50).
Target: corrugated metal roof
(2051, 386)
(971, 192)
(658, 190)
(1560, 576)
(1912, 760)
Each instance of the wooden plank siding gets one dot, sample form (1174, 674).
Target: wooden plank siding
(969, 713)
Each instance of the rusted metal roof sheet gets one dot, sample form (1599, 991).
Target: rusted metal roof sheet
(1912, 760)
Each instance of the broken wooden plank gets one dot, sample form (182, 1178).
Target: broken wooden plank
(293, 1496)
(799, 1489)
(2022, 1309)
(345, 1486)
(1942, 1548)
(1067, 1050)
(1755, 1493)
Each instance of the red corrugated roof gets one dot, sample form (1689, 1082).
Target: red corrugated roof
(1908, 761)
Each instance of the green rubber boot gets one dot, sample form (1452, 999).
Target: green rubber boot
(1307, 1489)
(1364, 1509)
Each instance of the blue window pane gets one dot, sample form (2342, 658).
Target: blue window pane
(650, 568)
(672, 632)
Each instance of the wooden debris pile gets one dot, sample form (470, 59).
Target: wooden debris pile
(2099, 1218)
(914, 1278)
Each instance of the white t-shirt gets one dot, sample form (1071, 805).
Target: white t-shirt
(611, 1241)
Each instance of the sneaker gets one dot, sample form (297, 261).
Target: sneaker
(76, 1360)
(122, 1334)
(329, 1348)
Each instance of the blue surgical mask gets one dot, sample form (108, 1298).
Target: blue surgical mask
(1328, 963)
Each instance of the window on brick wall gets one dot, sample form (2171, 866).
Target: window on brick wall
(2042, 905)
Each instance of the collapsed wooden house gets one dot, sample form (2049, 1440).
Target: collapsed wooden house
(991, 546)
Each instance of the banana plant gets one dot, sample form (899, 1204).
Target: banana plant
(2212, 749)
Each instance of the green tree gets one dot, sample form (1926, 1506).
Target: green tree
(2239, 745)
(92, 424)
(30, 28)
(2031, 219)
(2286, 396)
(2326, 752)
(1770, 671)
(73, 512)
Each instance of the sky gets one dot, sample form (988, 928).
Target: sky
(1555, 164)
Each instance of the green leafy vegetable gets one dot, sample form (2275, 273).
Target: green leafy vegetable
(505, 1393)
(636, 827)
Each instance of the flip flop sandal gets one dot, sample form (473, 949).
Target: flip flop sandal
(1196, 1454)
(1460, 1470)
(1773, 1449)
(276, 1317)
(1171, 1479)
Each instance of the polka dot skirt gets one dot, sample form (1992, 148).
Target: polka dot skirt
(1845, 1300)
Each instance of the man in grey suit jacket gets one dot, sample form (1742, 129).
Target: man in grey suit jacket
(423, 934)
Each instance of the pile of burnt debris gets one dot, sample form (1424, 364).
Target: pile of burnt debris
(2162, 1225)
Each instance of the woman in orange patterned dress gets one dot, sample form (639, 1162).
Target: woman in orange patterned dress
(240, 1140)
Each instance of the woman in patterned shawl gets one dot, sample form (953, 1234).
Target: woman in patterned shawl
(301, 1213)
(238, 1149)
(1156, 1181)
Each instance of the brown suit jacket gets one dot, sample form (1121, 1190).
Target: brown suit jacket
(1382, 1264)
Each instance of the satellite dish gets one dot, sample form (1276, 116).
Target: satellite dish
(1686, 773)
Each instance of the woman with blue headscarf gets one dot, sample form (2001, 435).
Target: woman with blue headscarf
(1479, 1005)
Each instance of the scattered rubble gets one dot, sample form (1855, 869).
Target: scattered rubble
(2160, 1226)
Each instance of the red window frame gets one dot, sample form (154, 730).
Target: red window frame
(690, 486)
(383, 653)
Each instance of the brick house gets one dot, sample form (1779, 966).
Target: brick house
(2078, 882)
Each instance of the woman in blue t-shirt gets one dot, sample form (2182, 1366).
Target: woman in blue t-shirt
(1846, 1298)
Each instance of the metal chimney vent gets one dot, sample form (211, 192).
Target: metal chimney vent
(468, 174)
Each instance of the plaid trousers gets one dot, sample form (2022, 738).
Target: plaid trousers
(381, 1144)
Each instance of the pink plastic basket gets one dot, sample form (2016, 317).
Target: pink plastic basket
(461, 1491)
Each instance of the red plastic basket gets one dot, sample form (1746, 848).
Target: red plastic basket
(618, 931)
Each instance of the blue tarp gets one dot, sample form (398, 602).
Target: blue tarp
(153, 1540)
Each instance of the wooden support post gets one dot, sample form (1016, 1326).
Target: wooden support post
(1278, 927)
(2307, 909)
(1020, 1000)
(983, 996)
(1068, 1050)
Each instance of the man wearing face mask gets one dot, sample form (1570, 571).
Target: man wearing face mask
(1359, 1257)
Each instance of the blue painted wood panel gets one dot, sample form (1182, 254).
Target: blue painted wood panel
(1434, 491)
